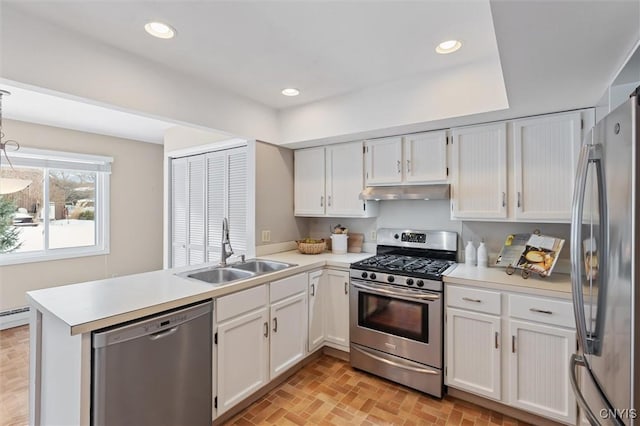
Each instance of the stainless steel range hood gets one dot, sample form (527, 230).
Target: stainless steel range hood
(406, 192)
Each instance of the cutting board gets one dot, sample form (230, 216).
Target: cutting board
(354, 243)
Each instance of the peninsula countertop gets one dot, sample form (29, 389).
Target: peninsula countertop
(92, 305)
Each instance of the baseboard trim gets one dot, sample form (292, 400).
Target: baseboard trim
(501, 408)
(14, 318)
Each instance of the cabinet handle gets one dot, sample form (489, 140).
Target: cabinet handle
(346, 288)
(266, 329)
(472, 300)
(408, 166)
(518, 199)
(541, 311)
(322, 201)
(504, 199)
(275, 325)
(313, 289)
(399, 167)
(329, 200)
(513, 344)
(496, 339)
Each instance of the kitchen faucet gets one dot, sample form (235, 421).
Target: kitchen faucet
(225, 243)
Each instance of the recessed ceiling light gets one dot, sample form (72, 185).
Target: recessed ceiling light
(290, 92)
(448, 46)
(160, 30)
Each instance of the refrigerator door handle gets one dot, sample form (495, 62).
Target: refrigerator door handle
(588, 154)
(578, 361)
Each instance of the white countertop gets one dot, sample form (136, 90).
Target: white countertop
(92, 305)
(555, 285)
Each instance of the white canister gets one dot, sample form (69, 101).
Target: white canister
(339, 243)
(483, 256)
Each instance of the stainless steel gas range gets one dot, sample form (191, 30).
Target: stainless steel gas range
(396, 307)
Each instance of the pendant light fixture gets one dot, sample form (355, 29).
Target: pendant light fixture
(9, 185)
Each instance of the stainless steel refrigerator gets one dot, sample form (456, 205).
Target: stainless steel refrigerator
(604, 270)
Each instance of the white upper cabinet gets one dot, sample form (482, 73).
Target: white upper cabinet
(479, 172)
(425, 157)
(519, 170)
(309, 182)
(328, 181)
(545, 154)
(412, 159)
(384, 161)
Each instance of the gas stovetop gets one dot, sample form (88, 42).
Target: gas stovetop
(405, 265)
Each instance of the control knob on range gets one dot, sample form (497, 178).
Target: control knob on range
(372, 276)
(409, 281)
(390, 278)
(420, 283)
(364, 275)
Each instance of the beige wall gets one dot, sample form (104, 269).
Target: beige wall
(274, 195)
(136, 212)
(180, 137)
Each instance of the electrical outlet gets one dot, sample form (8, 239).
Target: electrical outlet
(373, 235)
(266, 236)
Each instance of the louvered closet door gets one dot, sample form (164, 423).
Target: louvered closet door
(216, 202)
(479, 181)
(196, 213)
(179, 209)
(237, 199)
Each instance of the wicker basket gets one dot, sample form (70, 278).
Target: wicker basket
(311, 248)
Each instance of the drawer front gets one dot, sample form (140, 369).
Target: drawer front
(542, 310)
(241, 302)
(473, 299)
(286, 287)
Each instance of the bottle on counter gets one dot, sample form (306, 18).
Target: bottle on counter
(470, 254)
(483, 256)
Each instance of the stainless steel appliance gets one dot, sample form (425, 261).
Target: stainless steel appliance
(396, 307)
(156, 371)
(604, 260)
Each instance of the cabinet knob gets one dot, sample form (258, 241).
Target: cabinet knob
(266, 329)
(275, 325)
(346, 288)
(399, 171)
(408, 166)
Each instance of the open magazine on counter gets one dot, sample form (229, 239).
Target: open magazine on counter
(532, 252)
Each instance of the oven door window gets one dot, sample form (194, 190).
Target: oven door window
(394, 316)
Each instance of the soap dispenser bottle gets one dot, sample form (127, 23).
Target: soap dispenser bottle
(470, 254)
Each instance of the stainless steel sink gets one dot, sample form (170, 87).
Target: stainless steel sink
(220, 275)
(260, 266)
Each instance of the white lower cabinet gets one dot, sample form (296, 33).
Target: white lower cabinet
(337, 309)
(473, 352)
(261, 332)
(317, 290)
(512, 348)
(242, 345)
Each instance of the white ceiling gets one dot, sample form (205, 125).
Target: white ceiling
(554, 54)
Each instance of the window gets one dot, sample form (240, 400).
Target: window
(63, 211)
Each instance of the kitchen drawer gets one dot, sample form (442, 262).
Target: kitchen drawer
(548, 311)
(473, 299)
(241, 302)
(288, 287)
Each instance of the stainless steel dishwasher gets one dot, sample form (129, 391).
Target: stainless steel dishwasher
(156, 371)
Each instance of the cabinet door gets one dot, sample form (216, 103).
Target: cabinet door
(243, 358)
(309, 182)
(425, 157)
(539, 370)
(473, 352)
(344, 179)
(288, 333)
(384, 161)
(479, 175)
(317, 290)
(337, 308)
(545, 155)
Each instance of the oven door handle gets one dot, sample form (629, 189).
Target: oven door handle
(395, 364)
(414, 295)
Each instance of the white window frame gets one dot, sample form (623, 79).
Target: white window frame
(45, 160)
